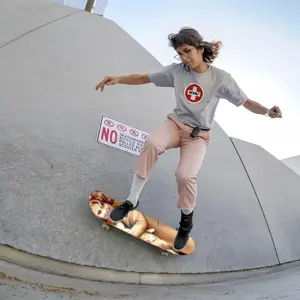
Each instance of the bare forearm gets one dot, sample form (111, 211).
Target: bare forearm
(256, 107)
(134, 79)
(128, 79)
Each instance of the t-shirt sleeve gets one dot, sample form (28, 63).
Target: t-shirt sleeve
(230, 91)
(162, 77)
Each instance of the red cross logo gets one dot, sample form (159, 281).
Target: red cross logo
(193, 93)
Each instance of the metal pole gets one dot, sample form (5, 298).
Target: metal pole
(90, 5)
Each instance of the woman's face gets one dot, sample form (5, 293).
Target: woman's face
(190, 56)
(101, 209)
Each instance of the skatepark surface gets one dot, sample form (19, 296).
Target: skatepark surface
(247, 218)
(19, 283)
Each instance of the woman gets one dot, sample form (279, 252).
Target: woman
(198, 87)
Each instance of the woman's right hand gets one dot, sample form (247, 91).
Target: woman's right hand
(108, 80)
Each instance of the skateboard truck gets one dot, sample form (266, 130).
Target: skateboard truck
(195, 132)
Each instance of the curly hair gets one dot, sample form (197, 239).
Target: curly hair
(190, 36)
(101, 197)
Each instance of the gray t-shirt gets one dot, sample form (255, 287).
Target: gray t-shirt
(198, 94)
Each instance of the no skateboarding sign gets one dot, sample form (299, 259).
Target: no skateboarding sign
(119, 135)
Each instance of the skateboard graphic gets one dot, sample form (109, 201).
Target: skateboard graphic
(145, 228)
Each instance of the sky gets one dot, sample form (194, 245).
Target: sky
(260, 51)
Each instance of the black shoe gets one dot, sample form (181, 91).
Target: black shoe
(121, 211)
(184, 230)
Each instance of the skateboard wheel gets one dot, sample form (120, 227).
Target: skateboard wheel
(105, 226)
(164, 254)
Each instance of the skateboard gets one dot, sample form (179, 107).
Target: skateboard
(145, 228)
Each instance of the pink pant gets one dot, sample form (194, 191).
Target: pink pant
(174, 134)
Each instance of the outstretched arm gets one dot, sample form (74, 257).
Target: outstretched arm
(257, 108)
(231, 91)
(160, 78)
(133, 79)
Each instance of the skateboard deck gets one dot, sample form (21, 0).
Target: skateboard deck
(145, 228)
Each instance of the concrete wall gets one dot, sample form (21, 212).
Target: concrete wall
(50, 160)
(20, 17)
(99, 8)
(293, 163)
(277, 188)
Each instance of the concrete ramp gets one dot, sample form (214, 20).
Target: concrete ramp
(21, 17)
(50, 160)
(277, 189)
(293, 163)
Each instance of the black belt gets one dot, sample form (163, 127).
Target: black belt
(196, 131)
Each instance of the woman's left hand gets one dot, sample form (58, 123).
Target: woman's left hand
(275, 112)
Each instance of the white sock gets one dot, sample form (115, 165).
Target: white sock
(187, 211)
(136, 188)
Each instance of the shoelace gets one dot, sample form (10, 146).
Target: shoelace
(125, 204)
(184, 224)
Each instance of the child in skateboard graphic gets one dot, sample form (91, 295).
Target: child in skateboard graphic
(198, 87)
(135, 223)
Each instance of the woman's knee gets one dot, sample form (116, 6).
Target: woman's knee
(184, 177)
(153, 144)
